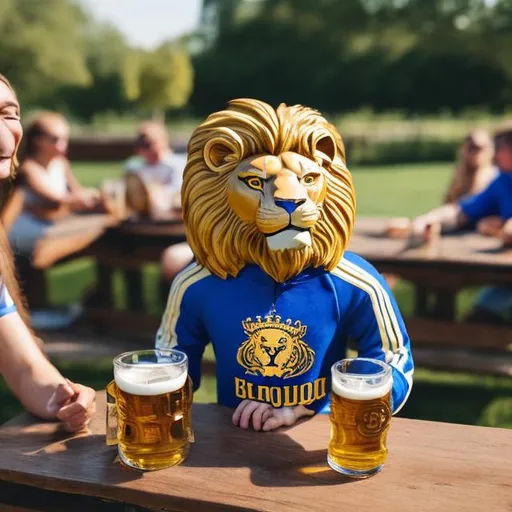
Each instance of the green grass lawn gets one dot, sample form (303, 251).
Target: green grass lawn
(381, 191)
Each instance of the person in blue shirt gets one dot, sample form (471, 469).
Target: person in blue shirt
(490, 212)
(272, 287)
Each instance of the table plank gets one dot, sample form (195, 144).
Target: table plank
(450, 467)
(462, 249)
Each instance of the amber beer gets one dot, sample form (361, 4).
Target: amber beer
(153, 403)
(360, 416)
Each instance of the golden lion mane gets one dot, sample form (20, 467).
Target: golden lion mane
(220, 240)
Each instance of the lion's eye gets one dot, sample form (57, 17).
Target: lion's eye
(282, 340)
(309, 179)
(254, 182)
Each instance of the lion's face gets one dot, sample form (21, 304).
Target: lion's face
(268, 187)
(273, 350)
(282, 195)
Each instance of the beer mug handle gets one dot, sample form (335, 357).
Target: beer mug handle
(189, 397)
(111, 414)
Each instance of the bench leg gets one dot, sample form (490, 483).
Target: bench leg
(105, 288)
(421, 301)
(133, 279)
(445, 305)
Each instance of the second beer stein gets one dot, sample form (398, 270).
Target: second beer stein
(149, 406)
(360, 416)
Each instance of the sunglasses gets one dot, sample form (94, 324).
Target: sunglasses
(474, 148)
(50, 137)
(142, 142)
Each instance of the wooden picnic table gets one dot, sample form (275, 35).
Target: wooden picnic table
(128, 247)
(461, 260)
(434, 466)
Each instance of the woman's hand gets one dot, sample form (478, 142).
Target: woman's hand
(490, 226)
(399, 227)
(506, 233)
(263, 416)
(73, 404)
(85, 199)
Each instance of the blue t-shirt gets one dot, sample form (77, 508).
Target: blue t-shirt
(6, 303)
(496, 199)
(276, 342)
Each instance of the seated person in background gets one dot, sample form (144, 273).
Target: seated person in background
(475, 169)
(51, 190)
(156, 164)
(474, 172)
(494, 202)
(49, 194)
(28, 373)
(155, 168)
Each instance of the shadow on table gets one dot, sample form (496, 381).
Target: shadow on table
(47, 452)
(275, 459)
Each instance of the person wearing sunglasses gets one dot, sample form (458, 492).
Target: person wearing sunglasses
(475, 169)
(488, 211)
(51, 191)
(158, 166)
(49, 194)
(156, 163)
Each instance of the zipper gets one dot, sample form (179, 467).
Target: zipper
(273, 310)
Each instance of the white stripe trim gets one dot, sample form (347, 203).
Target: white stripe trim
(387, 322)
(189, 276)
(383, 295)
(408, 378)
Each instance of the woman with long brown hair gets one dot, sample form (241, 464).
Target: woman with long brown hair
(29, 374)
(475, 169)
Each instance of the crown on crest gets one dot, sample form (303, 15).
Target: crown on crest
(273, 322)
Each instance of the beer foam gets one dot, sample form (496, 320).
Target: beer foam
(148, 379)
(361, 390)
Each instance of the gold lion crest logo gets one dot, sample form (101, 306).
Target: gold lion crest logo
(275, 349)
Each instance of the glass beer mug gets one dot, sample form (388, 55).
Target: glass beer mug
(360, 416)
(149, 406)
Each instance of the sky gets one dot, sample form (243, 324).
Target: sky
(147, 23)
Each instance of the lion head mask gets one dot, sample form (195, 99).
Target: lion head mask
(267, 186)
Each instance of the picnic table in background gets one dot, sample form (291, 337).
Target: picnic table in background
(459, 260)
(129, 246)
(438, 275)
(447, 466)
(68, 239)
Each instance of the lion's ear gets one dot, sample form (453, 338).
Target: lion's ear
(221, 152)
(327, 146)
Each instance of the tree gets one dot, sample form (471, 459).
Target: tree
(161, 79)
(42, 47)
(105, 51)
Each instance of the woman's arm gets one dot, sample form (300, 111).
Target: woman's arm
(83, 197)
(36, 382)
(74, 185)
(38, 182)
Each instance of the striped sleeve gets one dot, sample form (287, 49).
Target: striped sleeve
(6, 303)
(181, 326)
(376, 325)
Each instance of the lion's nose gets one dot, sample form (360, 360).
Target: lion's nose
(289, 205)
